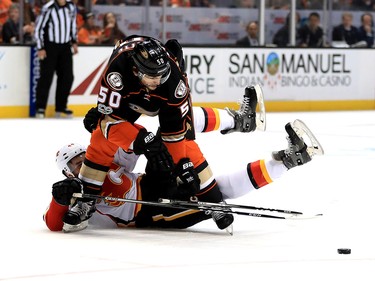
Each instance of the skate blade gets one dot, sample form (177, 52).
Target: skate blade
(229, 229)
(261, 109)
(74, 228)
(313, 145)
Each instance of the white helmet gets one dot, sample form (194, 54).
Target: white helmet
(65, 154)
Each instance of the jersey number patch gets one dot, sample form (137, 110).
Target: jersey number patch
(184, 108)
(108, 101)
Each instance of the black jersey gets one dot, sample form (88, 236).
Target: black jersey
(123, 97)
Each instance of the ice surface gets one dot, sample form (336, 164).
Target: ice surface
(339, 184)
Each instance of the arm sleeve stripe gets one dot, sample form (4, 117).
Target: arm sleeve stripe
(95, 166)
(201, 167)
(207, 188)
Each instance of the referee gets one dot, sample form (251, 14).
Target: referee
(56, 39)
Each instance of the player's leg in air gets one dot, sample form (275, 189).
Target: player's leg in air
(302, 147)
(246, 119)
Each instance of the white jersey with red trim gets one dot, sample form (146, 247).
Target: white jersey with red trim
(119, 182)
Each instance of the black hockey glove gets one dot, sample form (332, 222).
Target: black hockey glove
(91, 119)
(157, 184)
(187, 178)
(62, 191)
(159, 159)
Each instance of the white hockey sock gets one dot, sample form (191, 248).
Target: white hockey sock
(238, 183)
(207, 119)
(226, 121)
(275, 169)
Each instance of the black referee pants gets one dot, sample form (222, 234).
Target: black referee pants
(60, 60)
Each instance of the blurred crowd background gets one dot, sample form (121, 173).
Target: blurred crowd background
(318, 23)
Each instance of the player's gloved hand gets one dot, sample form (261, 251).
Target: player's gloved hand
(62, 191)
(91, 119)
(158, 184)
(155, 151)
(187, 179)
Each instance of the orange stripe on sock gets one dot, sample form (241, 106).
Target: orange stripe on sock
(265, 172)
(217, 118)
(260, 174)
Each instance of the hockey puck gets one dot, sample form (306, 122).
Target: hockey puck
(344, 251)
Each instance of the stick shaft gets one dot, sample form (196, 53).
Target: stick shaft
(235, 206)
(205, 206)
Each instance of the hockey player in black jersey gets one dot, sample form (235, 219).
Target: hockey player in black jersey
(143, 76)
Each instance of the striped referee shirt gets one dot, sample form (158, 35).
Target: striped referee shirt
(56, 24)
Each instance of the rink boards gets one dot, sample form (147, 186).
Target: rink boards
(292, 79)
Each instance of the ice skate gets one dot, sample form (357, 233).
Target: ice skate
(77, 217)
(298, 152)
(66, 113)
(246, 119)
(40, 113)
(223, 221)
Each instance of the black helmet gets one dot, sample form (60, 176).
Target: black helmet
(151, 58)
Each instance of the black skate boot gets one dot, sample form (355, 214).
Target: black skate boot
(77, 217)
(66, 113)
(40, 113)
(298, 152)
(246, 119)
(223, 220)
